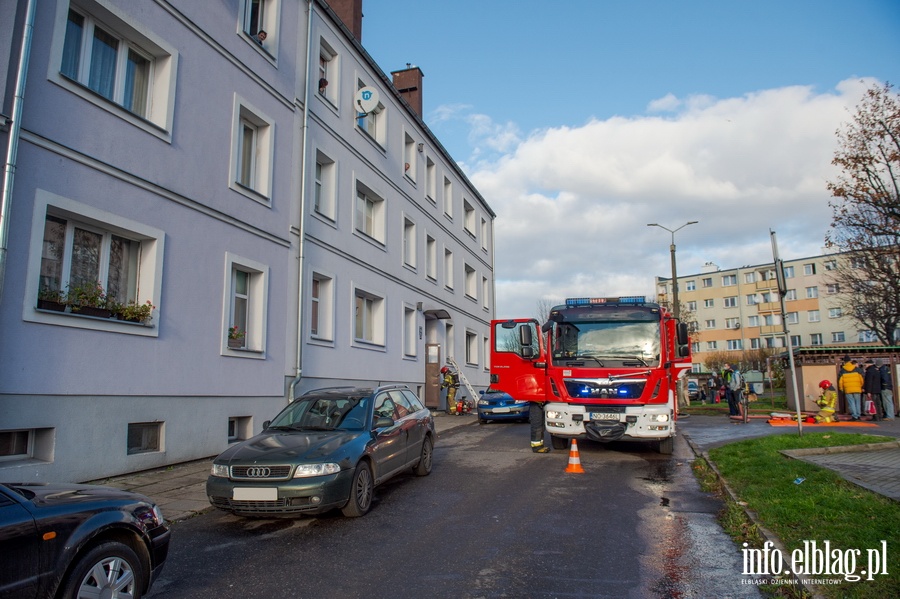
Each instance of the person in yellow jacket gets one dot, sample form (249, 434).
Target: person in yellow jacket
(827, 402)
(450, 381)
(851, 384)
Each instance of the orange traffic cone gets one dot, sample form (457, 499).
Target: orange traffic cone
(574, 459)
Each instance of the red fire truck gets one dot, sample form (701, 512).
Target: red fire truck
(607, 368)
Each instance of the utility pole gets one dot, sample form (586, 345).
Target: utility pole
(676, 308)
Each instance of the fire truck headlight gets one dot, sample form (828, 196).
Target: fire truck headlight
(659, 417)
(553, 414)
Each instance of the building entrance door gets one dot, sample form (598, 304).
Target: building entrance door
(432, 376)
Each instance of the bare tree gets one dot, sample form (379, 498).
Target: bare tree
(866, 214)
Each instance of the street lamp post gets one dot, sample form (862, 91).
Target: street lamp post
(677, 309)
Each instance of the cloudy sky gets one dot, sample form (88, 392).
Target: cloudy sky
(581, 121)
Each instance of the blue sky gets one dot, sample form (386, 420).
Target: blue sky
(582, 121)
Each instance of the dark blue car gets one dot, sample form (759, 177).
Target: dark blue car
(497, 405)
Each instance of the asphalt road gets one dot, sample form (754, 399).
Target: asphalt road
(492, 520)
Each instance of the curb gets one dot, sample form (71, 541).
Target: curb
(798, 453)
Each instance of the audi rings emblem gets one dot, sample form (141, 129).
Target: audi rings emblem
(259, 472)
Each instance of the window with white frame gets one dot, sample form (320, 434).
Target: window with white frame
(259, 16)
(113, 63)
(809, 269)
(857, 262)
(409, 331)
(448, 269)
(484, 234)
(711, 345)
(486, 352)
(813, 316)
(709, 303)
(753, 321)
(749, 277)
(832, 288)
(471, 348)
(690, 285)
(409, 242)
(838, 337)
(468, 217)
(247, 288)
(431, 257)
(485, 288)
(448, 198)
(450, 346)
(755, 343)
(471, 282)
(328, 80)
(752, 299)
(733, 323)
(369, 213)
(792, 317)
(788, 272)
(831, 265)
(815, 339)
(430, 180)
(707, 282)
(729, 280)
(735, 344)
(770, 320)
(321, 311)
(695, 347)
(252, 148)
(711, 323)
(368, 319)
(409, 157)
(812, 292)
(325, 181)
(145, 437)
(16, 445)
(691, 306)
(867, 337)
(835, 312)
(78, 250)
(791, 295)
(372, 123)
(795, 340)
(730, 301)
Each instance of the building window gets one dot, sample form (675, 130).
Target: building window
(369, 213)
(245, 323)
(468, 218)
(835, 313)
(733, 323)
(325, 186)
(831, 265)
(409, 331)
(833, 288)
(791, 295)
(813, 316)
(730, 302)
(695, 347)
(471, 282)
(321, 313)
(691, 306)
(448, 198)
(690, 285)
(430, 180)
(471, 348)
(812, 292)
(431, 257)
(261, 16)
(239, 428)
(711, 345)
(409, 157)
(409, 242)
(815, 339)
(788, 272)
(372, 123)
(15, 445)
(729, 280)
(792, 317)
(709, 303)
(485, 288)
(753, 321)
(707, 282)
(735, 344)
(711, 324)
(795, 340)
(328, 78)
(838, 337)
(867, 337)
(144, 437)
(484, 234)
(369, 318)
(809, 269)
(448, 269)
(752, 299)
(252, 148)
(749, 277)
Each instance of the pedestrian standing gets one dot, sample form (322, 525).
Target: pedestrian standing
(851, 384)
(887, 389)
(872, 388)
(536, 420)
(733, 384)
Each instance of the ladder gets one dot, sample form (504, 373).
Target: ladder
(463, 379)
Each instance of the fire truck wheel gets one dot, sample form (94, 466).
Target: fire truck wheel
(559, 442)
(667, 446)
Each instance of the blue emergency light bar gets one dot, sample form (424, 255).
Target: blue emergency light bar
(586, 301)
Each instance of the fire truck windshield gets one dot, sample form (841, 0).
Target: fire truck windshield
(606, 344)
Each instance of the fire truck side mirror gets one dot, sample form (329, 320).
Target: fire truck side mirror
(525, 337)
(682, 334)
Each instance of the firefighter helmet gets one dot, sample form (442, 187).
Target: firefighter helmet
(445, 370)
(825, 384)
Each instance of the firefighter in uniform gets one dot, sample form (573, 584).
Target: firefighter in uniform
(826, 402)
(536, 420)
(450, 382)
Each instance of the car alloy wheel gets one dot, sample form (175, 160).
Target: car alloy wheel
(361, 491)
(423, 468)
(109, 570)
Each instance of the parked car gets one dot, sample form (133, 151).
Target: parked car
(327, 449)
(693, 391)
(67, 540)
(497, 405)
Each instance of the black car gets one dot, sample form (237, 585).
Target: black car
(69, 541)
(327, 449)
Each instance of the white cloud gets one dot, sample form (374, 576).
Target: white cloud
(573, 202)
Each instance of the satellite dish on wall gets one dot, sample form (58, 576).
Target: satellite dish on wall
(366, 100)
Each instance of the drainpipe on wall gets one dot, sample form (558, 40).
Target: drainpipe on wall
(12, 149)
(301, 227)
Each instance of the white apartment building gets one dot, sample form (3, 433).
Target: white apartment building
(161, 149)
(739, 308)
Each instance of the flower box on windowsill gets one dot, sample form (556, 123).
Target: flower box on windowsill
(236, 343)
(51, 305)
(92, 311)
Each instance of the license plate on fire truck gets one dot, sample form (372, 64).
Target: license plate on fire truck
(604, 415)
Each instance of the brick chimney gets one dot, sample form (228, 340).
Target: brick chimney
(350, 12)
(409, 83)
